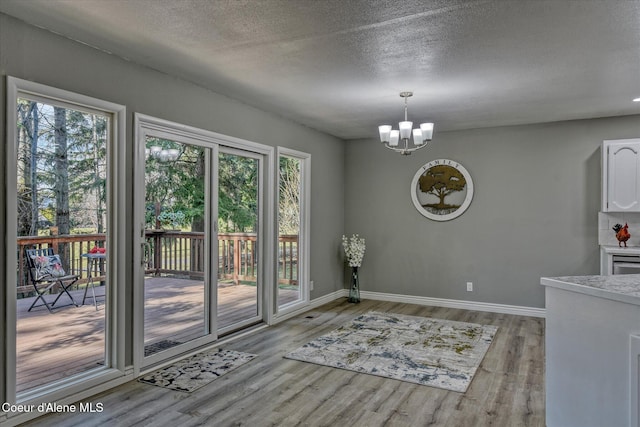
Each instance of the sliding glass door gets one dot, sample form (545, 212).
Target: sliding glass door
(200, 249)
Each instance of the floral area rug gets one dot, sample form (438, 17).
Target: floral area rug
(432, 352)
(198, 370)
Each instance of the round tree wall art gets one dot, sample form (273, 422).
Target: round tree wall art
(442, 190)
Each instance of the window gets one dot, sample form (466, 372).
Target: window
(63, 203)
(293, 224)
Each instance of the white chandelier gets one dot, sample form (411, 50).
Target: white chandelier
(391, 137)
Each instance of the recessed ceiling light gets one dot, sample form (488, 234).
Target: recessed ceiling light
(636, 100)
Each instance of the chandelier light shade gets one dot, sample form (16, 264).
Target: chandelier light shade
(162, 155)
(391, 138)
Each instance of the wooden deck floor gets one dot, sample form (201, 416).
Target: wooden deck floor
(71, 340)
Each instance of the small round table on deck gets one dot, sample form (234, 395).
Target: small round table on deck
(92, 259)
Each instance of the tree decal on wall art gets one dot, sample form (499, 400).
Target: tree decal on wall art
(442, 190)
(441, 181)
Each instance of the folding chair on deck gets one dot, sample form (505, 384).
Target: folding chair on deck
(45, 272)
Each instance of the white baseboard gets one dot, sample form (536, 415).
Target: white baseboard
(452, 303)
(328, 298)
(314, 303)
(411, 299)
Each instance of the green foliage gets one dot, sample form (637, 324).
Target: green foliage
(49, 213)
(79, 148)
(172, 219)
(237, 193)
(178, 186)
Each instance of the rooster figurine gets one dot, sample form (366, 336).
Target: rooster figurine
(622, 234)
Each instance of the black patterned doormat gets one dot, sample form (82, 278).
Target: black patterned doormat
(198, 370)
(159, 346)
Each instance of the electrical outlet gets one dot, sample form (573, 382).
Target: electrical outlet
(469, 286)
(311, 285)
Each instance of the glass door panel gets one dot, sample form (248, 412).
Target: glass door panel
(62, 219)
(239, 281)
(175, 280)
(289, 217)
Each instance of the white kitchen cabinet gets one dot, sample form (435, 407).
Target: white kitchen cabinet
(621, 175)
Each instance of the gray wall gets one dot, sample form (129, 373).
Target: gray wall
(34, 54)
(534, 212)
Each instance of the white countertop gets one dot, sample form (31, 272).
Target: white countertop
(620, 287)
(631, 250)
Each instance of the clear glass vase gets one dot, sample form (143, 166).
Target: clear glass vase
(354, 289)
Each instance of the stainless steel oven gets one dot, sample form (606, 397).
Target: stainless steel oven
(626, 264)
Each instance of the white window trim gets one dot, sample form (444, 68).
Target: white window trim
(282, 313)
(62, 391)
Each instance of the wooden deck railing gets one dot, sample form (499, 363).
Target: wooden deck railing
(238, 259)
(174, 252)
(288, 255)
(170, 252)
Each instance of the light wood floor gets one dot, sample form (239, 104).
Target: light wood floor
(508, 389)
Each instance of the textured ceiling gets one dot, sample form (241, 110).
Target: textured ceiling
(339, 65)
